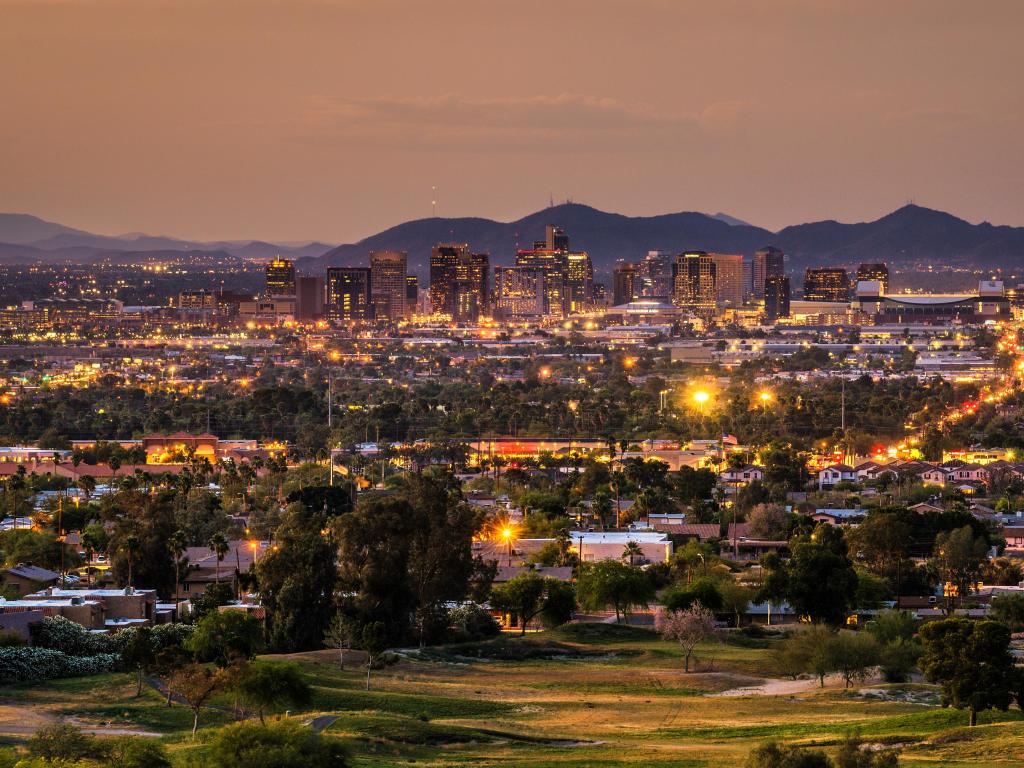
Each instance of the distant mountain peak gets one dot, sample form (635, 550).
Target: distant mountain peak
(732, 221)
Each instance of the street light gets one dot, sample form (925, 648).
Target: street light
(765, 398)
(506, 534)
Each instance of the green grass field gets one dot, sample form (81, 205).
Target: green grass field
(585, 695)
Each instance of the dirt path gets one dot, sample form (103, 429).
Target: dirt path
(20, 719)
(781, 687)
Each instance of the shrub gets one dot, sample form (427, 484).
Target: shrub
(470, 622)
(64, 635)
(283, 744)
(29, 665)
(134, 752)
(62, 741)
(703, 591)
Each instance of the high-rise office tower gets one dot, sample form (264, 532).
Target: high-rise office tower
(281, 277)
(579, 282)
(826, 284)
(472, 287)
(776, 297)
(877, 272)
(626, 282)
(444, 261)
(600, 293)
(656, 274)
(387, 278)
(694, 282)
(412, 294)
(518, 292)
(309, 298)
(348, 294)
(553, 264)
(555, 238)
(728, 279)
(768, 262)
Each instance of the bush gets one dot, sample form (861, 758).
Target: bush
(703, 591)
(64, 635)
(30, 665)
(62, 741)
(283, 744)
(134, 752)
(471, 622)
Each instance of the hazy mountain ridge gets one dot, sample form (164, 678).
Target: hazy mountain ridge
(911, 233)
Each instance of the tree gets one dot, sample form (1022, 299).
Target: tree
(805, 650)
(971, 661)
(284, 744)
(138, 652)
(613, 583)
(177, 545)
(266, 685)
(852, 654)
(631, 552)
(219, 545)
(529, 595)
(226, 636)
(959, 555)
(296, 581)
(196, 684)
(61, 742)
(769, 521)
(704, 590)
(735, 598)
(340, 635)
(819, 580)
(687, 627)
(1009, 609)
(375, 642)
(559, 603)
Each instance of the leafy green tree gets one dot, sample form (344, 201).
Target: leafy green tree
(819, 580)
(852, 655)
(284, 744)
(615, 584)
(971, 660)
(1009, 609)
(805, 651)
(530, 595)
(704, 590)
(268, 685)
(225, 636)
(60, 742)
(218, 544)
(138, 653)
(296, 582)
(959, 557)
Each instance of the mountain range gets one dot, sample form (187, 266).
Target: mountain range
(911, 234)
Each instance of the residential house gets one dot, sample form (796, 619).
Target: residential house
(25, 578)
(738, 477)
(834, 474)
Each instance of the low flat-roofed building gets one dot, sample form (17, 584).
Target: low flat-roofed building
(595, 546)
(128, 603)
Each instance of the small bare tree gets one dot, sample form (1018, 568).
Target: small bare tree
(687, 627)
(340, 635)
(196, 684)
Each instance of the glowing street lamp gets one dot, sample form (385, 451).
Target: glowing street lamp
(506, 534)
(765, 398)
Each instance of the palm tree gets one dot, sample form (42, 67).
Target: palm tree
(87, 485)
(130, 547)
(219, 544)
(178, 545)
(631, 552)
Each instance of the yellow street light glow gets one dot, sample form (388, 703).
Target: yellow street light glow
(506, 533)
(700, 397)
(765, 396)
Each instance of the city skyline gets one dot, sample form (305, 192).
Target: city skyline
(841, 112)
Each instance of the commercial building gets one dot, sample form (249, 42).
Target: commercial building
(388, 279)
(768, 262)
(412, 294)
(348, 294)
(579, 282)
(281, 277)
(776, 297)
(553, 265)
(989, 302)
(626, 282)
(728, 279)
(656, 274)
(826, 284)
(444, 262)
(694, 282)
(309, 304)
(472, 295)
(196, 305)
(876, 272)
(518, 293)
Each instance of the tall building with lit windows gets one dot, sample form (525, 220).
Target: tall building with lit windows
(626, 282)
(579, 282)
(348, 294)
(444, 262)
(877, 272)
(387, 278)
(472, 297)
(694, 282)
(518, 293)
(776, 298)
(768, 262)
(553, 264)
(826, 284)
(280, 277)
(728, 279)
